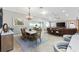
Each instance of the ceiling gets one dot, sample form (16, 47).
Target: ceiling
(63, 13)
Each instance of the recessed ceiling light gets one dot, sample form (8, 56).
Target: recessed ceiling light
(63, 11)
(44, 12)
(66, 15)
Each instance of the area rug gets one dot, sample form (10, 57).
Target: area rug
(27, 45)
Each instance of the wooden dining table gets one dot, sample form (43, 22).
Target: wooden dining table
(31, 34)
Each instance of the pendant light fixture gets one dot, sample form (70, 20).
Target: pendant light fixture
(29, 17)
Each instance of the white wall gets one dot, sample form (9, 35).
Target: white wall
(9, 16)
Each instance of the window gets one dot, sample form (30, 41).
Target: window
(33, 24)
(47, 24)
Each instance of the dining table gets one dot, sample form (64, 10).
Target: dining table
(31, 34)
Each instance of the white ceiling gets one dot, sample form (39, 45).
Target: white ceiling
(53, 12)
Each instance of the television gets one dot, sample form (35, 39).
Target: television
(60, 24)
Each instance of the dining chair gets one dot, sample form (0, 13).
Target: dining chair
(24, 35)
(33, 37)
(38, 33)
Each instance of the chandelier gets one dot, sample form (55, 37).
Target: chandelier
(29, 17)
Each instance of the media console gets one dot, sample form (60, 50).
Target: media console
(61, 31)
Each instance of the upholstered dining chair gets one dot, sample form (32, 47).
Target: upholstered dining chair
(38, 33)
(24, 35)
(33, 37)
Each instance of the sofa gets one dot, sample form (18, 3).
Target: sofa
(61, 31)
